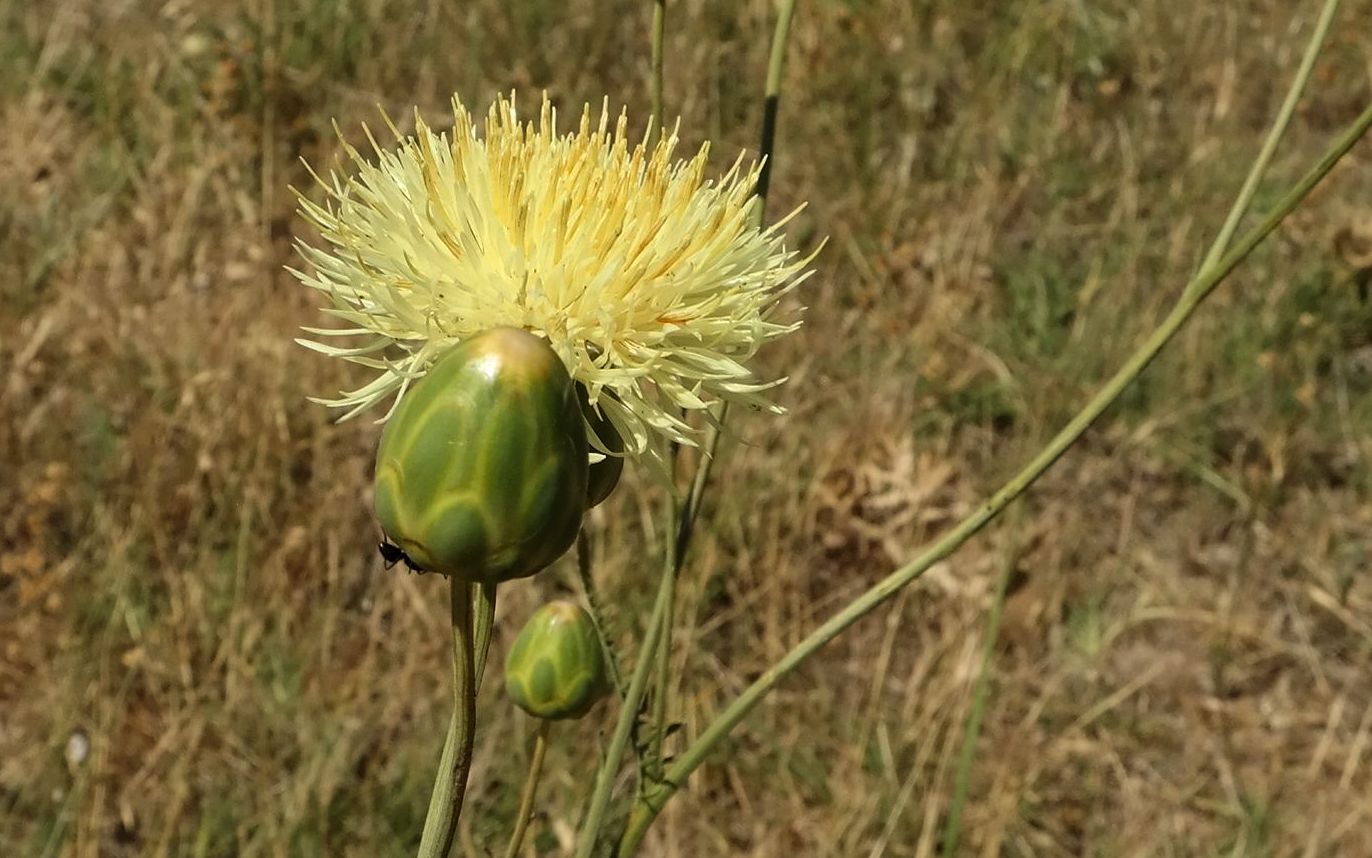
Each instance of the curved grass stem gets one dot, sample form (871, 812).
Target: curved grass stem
(972, 728)
(1194, 293)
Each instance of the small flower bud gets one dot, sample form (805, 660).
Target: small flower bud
(556, 669)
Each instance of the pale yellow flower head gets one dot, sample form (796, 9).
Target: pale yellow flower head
(649, 280)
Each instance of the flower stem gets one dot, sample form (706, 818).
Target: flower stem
(527, 795)
(1195, 292)
(471, 640)
(628, 715)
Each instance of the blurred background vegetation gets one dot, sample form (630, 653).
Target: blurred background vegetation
(200, 653)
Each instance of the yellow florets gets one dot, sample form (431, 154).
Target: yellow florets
(648, 280)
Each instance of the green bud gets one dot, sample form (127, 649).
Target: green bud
(604, 475)
(481, 471)
(555, 668)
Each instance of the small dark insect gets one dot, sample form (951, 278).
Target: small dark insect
(392, 554)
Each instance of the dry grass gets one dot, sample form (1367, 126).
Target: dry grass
(188, 577)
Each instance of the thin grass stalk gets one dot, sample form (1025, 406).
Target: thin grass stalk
(980, 694)
(776, 64)
(530, 790)
(718, 415)
(771, 105)
(1195, 292)
(651, 763)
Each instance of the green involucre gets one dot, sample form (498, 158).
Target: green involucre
(481, 473)
(556, 669)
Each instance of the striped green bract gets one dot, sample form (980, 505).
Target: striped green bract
(482, 470)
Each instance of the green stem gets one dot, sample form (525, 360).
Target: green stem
(691, 511)
(483, 607)
(673, 561)
(588, 586)
(1191, 297)
(450, 784)
(628, 717)
(1274, 135)
(527, 795)
(671, 569)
